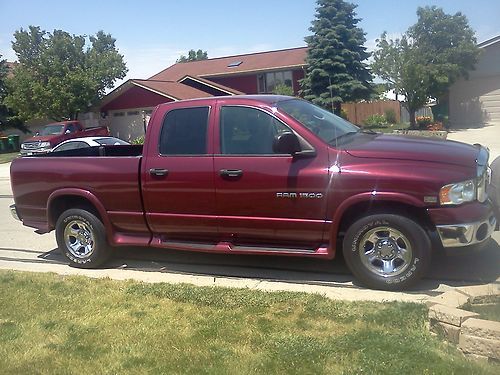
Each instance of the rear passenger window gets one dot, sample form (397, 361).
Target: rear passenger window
(184, 132)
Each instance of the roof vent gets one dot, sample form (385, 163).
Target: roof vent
(234, 64)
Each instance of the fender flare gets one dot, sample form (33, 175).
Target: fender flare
(75, 192)
(374, 196)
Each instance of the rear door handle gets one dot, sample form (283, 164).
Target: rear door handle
(231, 173)
(158, 172)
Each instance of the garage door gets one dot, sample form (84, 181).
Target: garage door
(128, 124)
(475, 102)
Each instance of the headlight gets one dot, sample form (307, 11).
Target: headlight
(458, 193)
(23, 146)
(45, 145)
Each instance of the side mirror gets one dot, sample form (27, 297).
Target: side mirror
(67, 131)
(286, 143)
(37, 133)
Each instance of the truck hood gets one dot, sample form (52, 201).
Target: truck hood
(383, 146)
(42, 138)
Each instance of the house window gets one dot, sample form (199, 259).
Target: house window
(267, 82)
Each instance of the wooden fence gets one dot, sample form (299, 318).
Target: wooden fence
(358, 112)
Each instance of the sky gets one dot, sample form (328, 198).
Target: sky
(152, 34)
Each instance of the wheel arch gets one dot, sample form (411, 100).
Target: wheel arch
(64, 199)
(365, 204)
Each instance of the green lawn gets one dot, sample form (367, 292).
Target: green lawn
(490, 310)
(6, 158)
(53, 324)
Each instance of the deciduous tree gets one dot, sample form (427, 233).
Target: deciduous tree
(59, 75)
(434, 53)
(193, 56)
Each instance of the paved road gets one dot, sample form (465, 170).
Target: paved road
(21, 248)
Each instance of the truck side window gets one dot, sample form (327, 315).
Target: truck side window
(184, 132)
(248, 131)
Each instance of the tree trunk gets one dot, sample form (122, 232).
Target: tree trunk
(413, 124)
(337, 108)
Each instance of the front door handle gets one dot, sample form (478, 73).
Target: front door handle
(158, 172)
(231, 173)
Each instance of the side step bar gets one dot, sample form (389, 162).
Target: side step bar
(228, 247)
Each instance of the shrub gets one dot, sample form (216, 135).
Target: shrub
(283, 89)
(390, 116)
(375, 120)
(423, 122)
(138, 140)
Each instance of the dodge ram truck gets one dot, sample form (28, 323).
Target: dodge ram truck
(53, 134)
(264, 175)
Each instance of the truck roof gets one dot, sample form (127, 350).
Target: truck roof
(264, 98)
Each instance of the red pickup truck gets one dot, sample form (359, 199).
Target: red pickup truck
(264, 175)
(53, 134)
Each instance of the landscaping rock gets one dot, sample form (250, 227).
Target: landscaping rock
(476, 345)
(451, 298)
(485, 329)
(450, 315)
(450, 332)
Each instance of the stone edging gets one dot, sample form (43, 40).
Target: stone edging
(422, 133)
(476, 338)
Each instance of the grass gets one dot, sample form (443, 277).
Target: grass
(490, 310)
(53, 324)
(7, 158)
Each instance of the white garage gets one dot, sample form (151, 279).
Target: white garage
(476, 102)
(128, 124)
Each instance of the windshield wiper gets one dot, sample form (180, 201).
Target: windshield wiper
(342, 135)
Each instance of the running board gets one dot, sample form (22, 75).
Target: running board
(228, 247)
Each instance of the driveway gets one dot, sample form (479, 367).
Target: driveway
(22, 249)
(488, 136)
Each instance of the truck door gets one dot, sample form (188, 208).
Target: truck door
(263, 197)
(177, 175)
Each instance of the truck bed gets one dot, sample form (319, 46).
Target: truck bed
(108, 173)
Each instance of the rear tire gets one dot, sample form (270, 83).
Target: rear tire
(81, 238)
(387, 251)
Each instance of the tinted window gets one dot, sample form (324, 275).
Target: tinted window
(111, 141)
(184, 132)
(248, 131)
(71, 146)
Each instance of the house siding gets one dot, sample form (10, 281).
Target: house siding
(246, 84)
(135, 97)
(475, 102)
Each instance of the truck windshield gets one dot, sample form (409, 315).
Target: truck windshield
(324, 124)
(52, 129)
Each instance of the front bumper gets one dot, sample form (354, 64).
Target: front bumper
(459, 235)
(28, 152)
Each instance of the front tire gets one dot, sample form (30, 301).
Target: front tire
(387, 251)
(81, 238)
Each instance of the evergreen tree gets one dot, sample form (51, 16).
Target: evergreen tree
(336, 71)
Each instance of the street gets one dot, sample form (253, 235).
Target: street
(22, 249)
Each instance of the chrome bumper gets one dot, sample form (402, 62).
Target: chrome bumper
(458, 235)
(13, 211)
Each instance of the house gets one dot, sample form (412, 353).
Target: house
(126, 109)
(475, 102)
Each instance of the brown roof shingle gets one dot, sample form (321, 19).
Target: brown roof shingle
(253, 62)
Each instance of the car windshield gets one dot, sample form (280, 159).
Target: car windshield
(324, 124)
(52, 129)
(110, 141)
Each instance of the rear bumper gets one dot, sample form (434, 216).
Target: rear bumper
(14, 213)
(459, 235)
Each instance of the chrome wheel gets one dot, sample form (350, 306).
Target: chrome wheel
(385, 251)
(79, 239)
